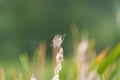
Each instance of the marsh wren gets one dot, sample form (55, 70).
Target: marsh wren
(58, 40)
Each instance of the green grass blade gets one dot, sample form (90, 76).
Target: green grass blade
(114, 71)
(109, 59)
(24, 59)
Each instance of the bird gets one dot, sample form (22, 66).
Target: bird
(58, 40)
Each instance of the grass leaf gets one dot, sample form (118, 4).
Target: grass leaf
(109, 59)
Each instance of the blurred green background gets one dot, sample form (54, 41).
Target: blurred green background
(24, 23)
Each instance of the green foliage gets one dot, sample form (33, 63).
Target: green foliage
(113, 55)
(113, 72)
(107, 66)
(24, 59)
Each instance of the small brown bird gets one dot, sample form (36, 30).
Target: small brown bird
(58, 40)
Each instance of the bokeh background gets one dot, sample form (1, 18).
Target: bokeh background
(25, 23)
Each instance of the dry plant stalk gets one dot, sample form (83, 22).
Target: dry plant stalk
(33, 77)
(57, 43)
(2, 74)
(83, 59)
(54, 52)
(41, 64)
